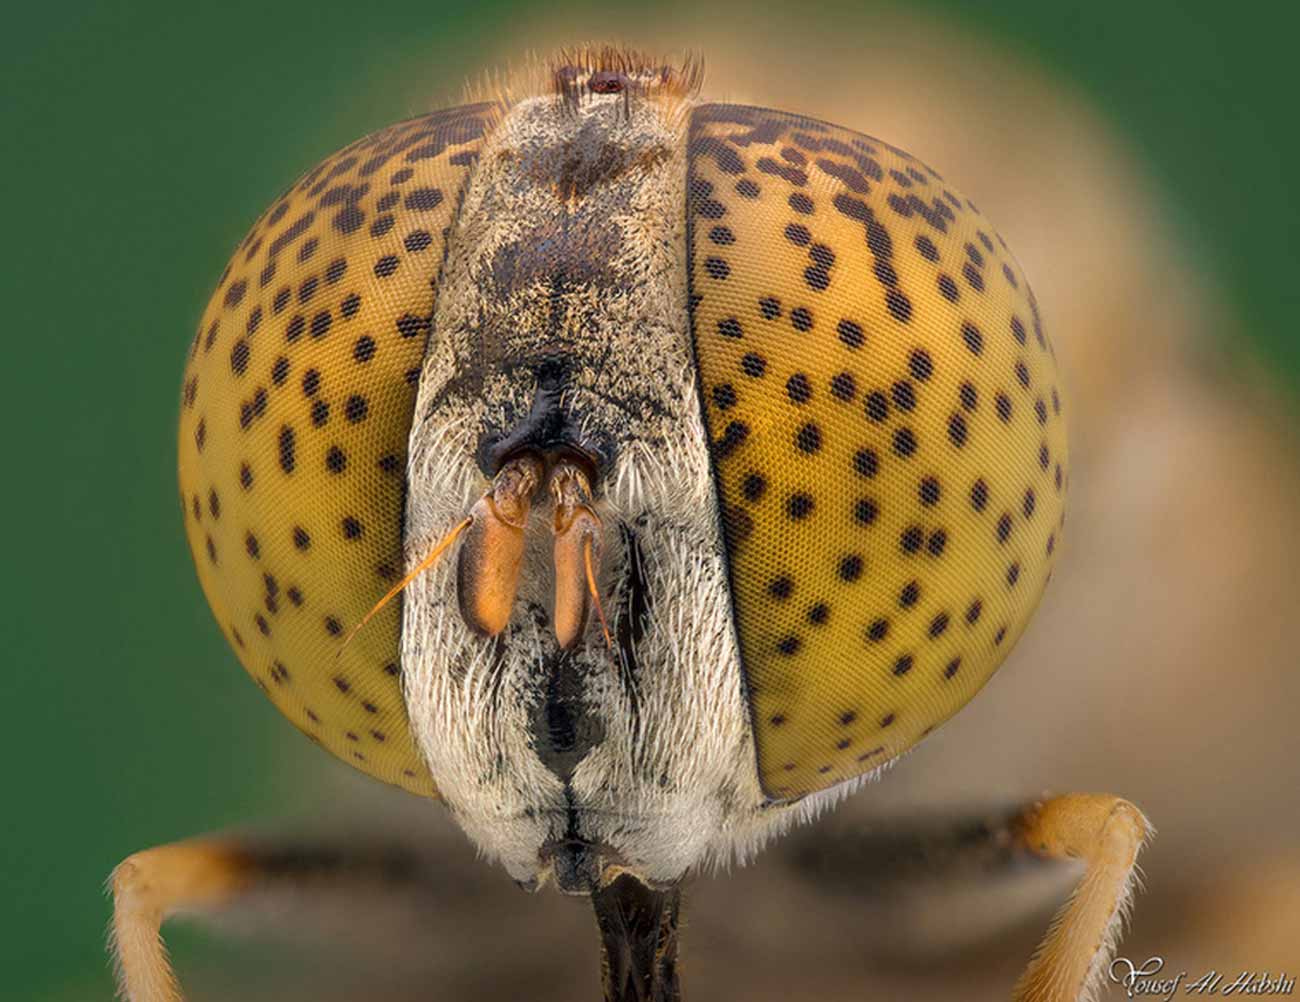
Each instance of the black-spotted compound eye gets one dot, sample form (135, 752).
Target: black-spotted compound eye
(881, 403)
(624, 469)
(296, 408)
(887, 435)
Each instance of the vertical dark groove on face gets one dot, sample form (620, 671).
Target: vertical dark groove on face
(563, 725)
(633, 613)
(498, 670)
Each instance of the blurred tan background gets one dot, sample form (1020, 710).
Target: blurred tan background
(1162, 664)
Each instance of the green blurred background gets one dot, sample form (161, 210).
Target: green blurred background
(144, 137)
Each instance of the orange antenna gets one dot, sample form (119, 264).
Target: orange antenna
(595, 594)
(396, 590)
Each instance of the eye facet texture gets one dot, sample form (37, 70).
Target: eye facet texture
(882, 402)
(887, 435)
(295, 411)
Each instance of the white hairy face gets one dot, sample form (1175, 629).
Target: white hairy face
(729, 344)
(645, 752)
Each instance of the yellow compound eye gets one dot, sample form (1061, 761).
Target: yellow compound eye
(296, 406)
(886, 430)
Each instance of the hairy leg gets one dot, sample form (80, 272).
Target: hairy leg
(155, 884)
(1106, 833)
(211, 874)
(940, 884)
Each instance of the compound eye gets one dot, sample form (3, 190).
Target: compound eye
(296, 408)
(886, 425)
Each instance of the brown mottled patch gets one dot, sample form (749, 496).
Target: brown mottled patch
(565, 248)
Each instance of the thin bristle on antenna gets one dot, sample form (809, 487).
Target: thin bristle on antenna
(595, 592)
(394, 591)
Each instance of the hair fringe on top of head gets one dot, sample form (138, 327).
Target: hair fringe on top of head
(574, 74)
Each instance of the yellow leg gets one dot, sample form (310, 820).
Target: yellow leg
(213, 874)
(155, 884)
(1105, 833)
(940, 882)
